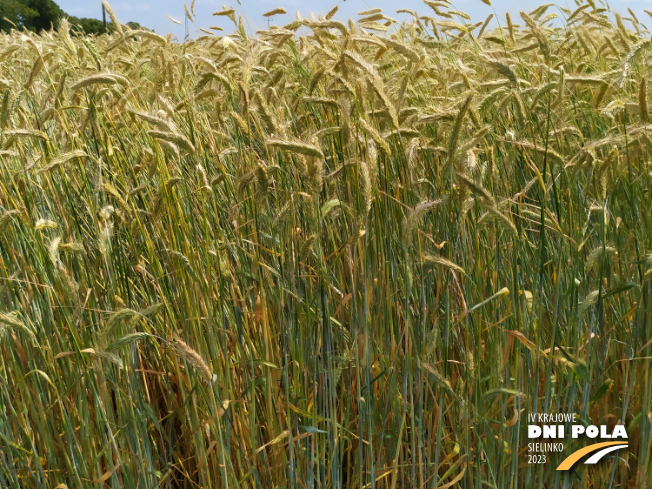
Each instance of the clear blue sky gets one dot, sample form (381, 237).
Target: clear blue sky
(152, 13)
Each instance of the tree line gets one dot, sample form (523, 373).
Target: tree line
(36, 15)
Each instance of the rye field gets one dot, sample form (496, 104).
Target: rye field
(327, 254)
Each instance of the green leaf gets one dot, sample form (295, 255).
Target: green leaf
(602, 390)
(266, 363)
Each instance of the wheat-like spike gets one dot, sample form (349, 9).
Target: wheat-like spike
(262, 180)
(117, 317)
(378, 139)
(412, 220)
(174, 138)
(5, 110)
(376, 83)
(520, 107)
(125, 340)
(432, 260)
(170, 147)
(26, 133)
(114, 19)
(321, 100)
(120, 198)
(153, 36)
(622, 31)
(194, 359)
(204, 178)
(412, 152)
(276, 11)
(45, 224)
(455, 132)
(367, 185)
(588, 301)
(477, 189)
(12, 321)
(503, 68)
(404, 132)
(104, 238)
(155, 121)
(600, 95)
(327, 24)
(642, 101)
(296, 147)
(561, 86)
(62, 159)
(306, 246)
(225, 12)
(53, 251)
(373, 41)
(596, 255)
(441, 381)
(586, 80)
(372, 17)
(566, 131)
(8, 217)
(245, 180)
(502, 219)
(528, 47)
(332, 12)
(370, 12)
(544, 151)
(328, 131)
(403, 49)
(510, 27)
(36, 69)
(484, 25)
(631, 56)
(283, 213)
(102, 78)
(72, 247)
(477, 137)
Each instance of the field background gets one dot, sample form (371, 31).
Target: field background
(327, 256)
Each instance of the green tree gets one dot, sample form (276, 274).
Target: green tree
(15, 14)
(49, 14)
(37, 15)
(85, 25)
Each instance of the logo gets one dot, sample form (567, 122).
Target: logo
(552, 429)
(601, 448)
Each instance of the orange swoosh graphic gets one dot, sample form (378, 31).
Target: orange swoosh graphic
(575, 456)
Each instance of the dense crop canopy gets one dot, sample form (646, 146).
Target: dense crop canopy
(326, 255)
